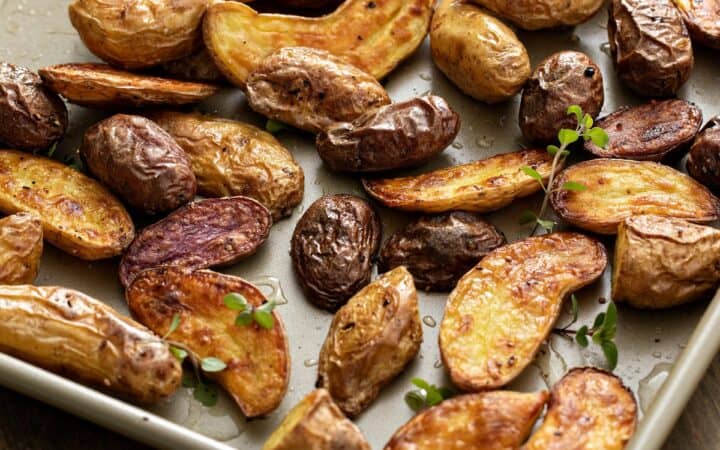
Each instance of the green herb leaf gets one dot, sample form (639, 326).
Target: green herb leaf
(575, 308)
(273, 126)
(609, 327)
(527, 217)
(173, 325)
(587, 122)
(206, 394)
(573, 186)
(51, 152)
(415, 400)
(446, 392)
(598, 136)
(581, 336)
(532, 173)
(599, 319)
(577, 111)
(547, 225)
(611, 353)
(567, 136)
(264, 319)
(244, 319)
(189, 380)
(212, 364)
(553, 149)
(433, 397)
(422, 384)
(235, 301)
(179, 353)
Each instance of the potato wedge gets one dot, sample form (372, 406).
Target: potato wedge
(619, 188)
(101, 86)
(540, 14)
(503, 309)
(498, 420)
(257, 359)
(67, 332)
(702, 18)
(78, 214)
(21, 246)
(589, 409)
(373, 36)
(480, 186)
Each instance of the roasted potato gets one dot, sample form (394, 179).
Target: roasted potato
(333, 247)
(140, 162)
(311, 89)
(206, 233)
(233, 158)
(477, 52)
(495, 420)
(702, 18)
(78, 214)
(539, 14)
(504, 308)
(563, 79)
(21, 246)
(316, 423)
(396, 136)
(309, 4)
(101, 86)
(662, 262)
(703, 161)
(196, 67)
(589, 409)
(373, 36)
(617, 189)
(67, 332)
(649, 131)
(257, 359)
(438, 250)
(480, 186)
(650, 46)
(371, 340)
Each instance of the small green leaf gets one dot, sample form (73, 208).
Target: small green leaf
(235, 301)
(581, 336)
(267, 307)
(244, 319)
(273, 126)
(611, 353)
(610, 316)
(415, 400)
(264, 319)
(422, 384)
(179, 353)
(446, 392)
(567, 136)
(173, 325)
(189, 380)
(532, 173)
(599, 319)
(206, 394)
(51, 152)
(587, 122)
(433, 396)
(212, 364)
(577, 111)
(527, 217)
(573, 186)
(553, 149)
(575, 308)
(598, 136)
(547, 225)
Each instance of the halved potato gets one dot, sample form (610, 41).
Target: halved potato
(258, 360)
(374, 36)
(589, 409)
(480, 186)
(702, 18)
(618, 189)
(498, 420)
(21, 246)
(503, 309)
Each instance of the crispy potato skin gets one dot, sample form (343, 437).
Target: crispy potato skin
(140, 162)
(101, 86)
(78, 214)
(196, 67)
(481, 186)
(650, 46)
(481, 55)
(316, 423)
(371, 340)
(504, 308)
(589, 409)
(67, 332)
(21, 246)
(233, 158)
(258, 360)
(703, 161)
(539, 14)
(438, 250)
(702, 18)
(33, 117)
(662, 262)
(649, 131)
(563, 79)
(311, 89)
(497, 420)
(620, 188)
(373, 38)
(333, 247)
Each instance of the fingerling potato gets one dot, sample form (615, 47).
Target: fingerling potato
(21, 246)
(703, 161)
(539, 14)
(702, 18)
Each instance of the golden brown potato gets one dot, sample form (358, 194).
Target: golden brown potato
(371, 340)
(316, 423)
(67, 332)
(477, 52)
(480, 186)
(539, 14)
(702, 18)
(618, 188)
(21, 246)
(78, 214)
(373, 36)
(101, 86)
(589, 409)
(498, 420)
(257, 359)
(308, 3)
(233, 158)
(503, 309)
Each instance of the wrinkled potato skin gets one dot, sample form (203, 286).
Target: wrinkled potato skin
(662, 262)
(618, 188)
(563, 79)
(33, 117)
(196, 67)
(67, 332)
(650, 131)
(497, 420)
(395, 136)
(311, 89)
(371, 340)
(140, 162)
(333, 247)
(258, 360)
(316, 423)
(589, 409)
(481, 55)
(439, 250)
(502, 310)
(233, 158)
(21, 246)
(539, 14)
(702, 18)
(703, 161)
(650, 46)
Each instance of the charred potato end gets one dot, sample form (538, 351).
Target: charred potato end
(21, 246)
(703, 162)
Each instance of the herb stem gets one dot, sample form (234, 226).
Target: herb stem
(551, 179)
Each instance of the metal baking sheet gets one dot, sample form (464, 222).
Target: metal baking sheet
(37, 33)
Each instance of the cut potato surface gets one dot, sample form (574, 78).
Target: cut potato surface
(21, 246)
